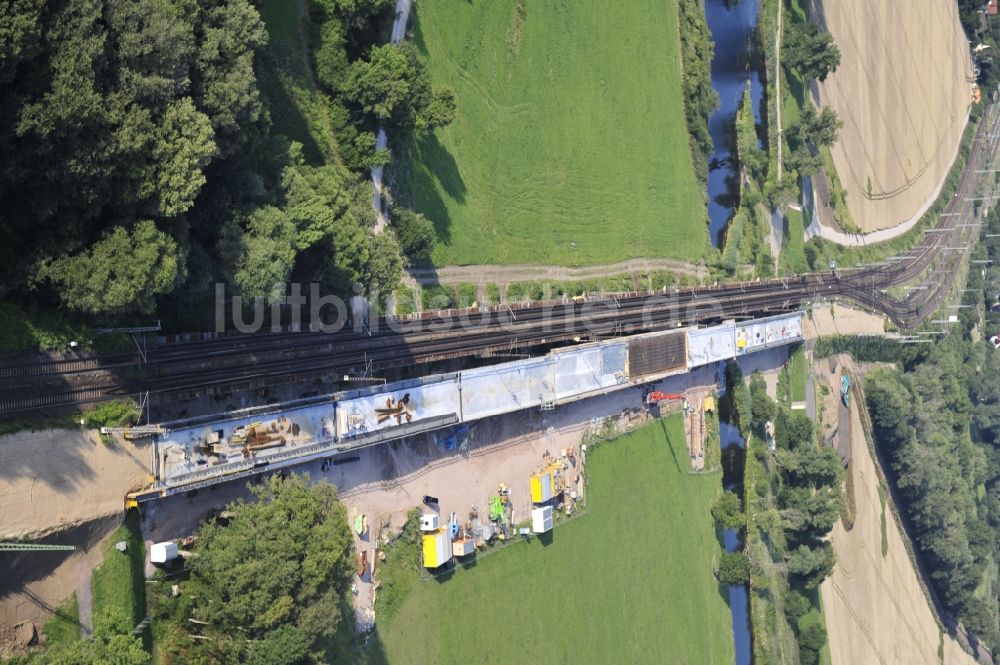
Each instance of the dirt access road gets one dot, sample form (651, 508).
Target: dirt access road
(874, 607)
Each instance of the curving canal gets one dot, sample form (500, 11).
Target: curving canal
(733, 24)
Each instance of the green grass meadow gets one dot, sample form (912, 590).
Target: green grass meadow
(118, 583)
(793, 257)
(570, 145)
(64, 626)
(799, 374)
(631, 581)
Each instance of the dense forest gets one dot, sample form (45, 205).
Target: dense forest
(139, 166)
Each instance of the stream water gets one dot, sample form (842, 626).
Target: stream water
(732, 23)
(733, 447)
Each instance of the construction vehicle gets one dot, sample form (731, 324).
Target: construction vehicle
(496, 509)
(657, 396)
(845, 390)
(362, 563)
(135, 432)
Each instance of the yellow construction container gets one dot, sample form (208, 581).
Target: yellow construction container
(437, 549)
(542, 487)
(709, 404)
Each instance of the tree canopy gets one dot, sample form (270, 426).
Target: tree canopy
(123, 271)
(138, 163)
(114, 112)
(728, 511)
(270, 581)
(811, 52)
(734, 568)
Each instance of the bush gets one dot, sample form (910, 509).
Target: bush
(734, 569)
(812, 636)
(796, 605)
(728, 511)
(415, 234)
(112, 414)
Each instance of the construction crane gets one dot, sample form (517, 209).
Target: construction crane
(34, 547)
(136, 431)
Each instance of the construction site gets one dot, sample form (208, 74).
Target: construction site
(193, 453)
(493, 455)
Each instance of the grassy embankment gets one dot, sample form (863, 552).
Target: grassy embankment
(443, 296)
(118, 583)
(64, 626)
(567, 149)
(631, 581)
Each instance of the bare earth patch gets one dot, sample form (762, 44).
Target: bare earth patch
(840, 320)
(903, 93)
(54, 479)
(69, 486)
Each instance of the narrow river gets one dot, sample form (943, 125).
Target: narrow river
(732, 23)
(733, 447)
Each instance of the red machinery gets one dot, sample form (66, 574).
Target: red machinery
(657, 396)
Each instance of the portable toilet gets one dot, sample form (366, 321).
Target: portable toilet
(436, 547)
(162, 552)
(541, 487)
(463, 547)
(430, 522)
(541, 519)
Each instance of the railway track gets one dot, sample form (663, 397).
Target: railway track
(228, 360)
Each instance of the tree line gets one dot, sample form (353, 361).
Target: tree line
(936, 423)
(807, 54)
(700, 98)
(139, 164)
(801, 487)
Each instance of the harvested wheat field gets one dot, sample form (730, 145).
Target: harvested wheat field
(874, 607)
(903, 91)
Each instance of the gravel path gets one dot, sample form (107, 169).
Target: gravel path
(85, 602)
(398, 30)
(497, 274)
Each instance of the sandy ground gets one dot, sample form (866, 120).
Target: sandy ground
(66, 487)
(56, 478)
(34, 584)
(903, 93)
(841, 320)
(874, 607)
